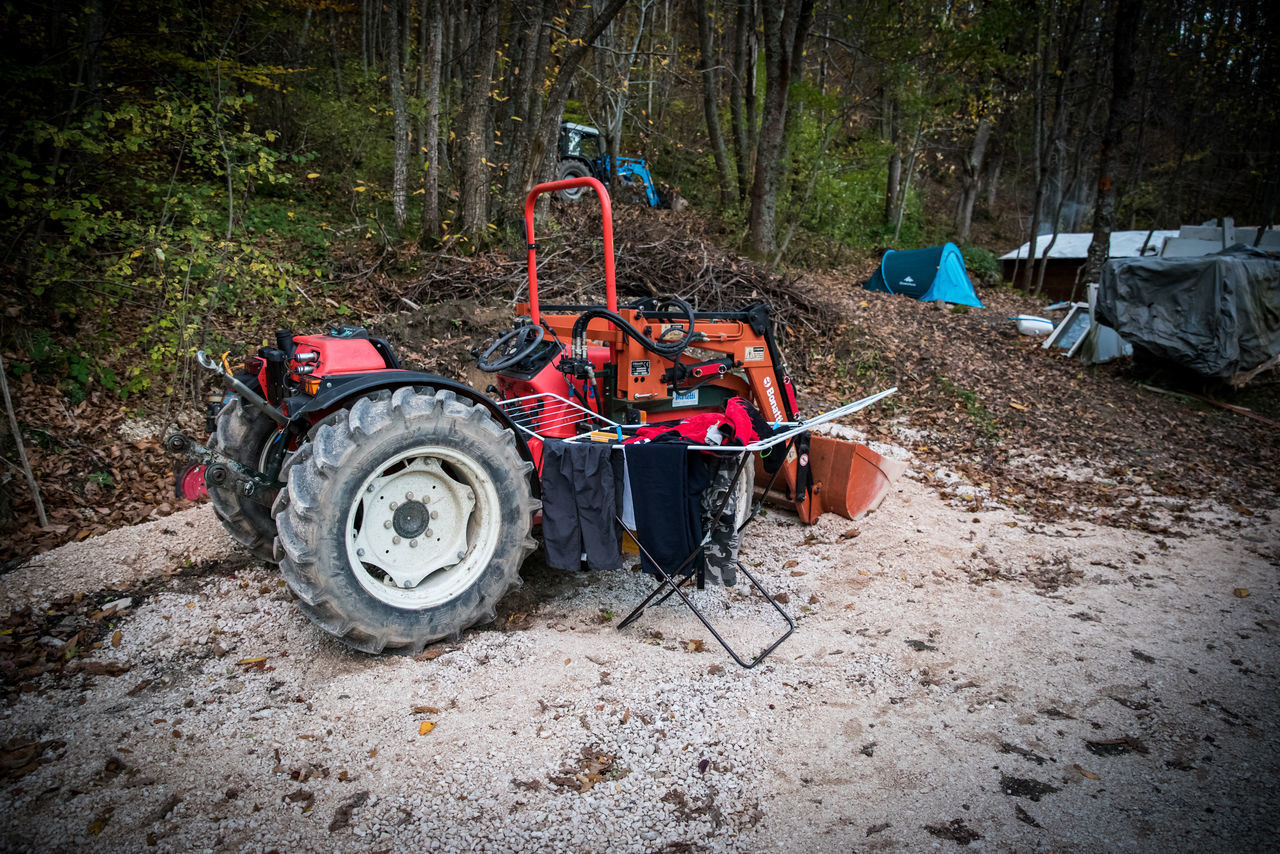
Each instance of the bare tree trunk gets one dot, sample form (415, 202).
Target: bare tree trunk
(1128, 19)
(749, 85)
(906, 185)
(431, 135)
(827, 133)
(737, 88)
(337, 56)
(400, 120)
(784, 30)
(709, 97)
(970, 179)
(529, 104)
(543, 147)
(892, 185)
(473, 186)
(1038, 169)
(893, 181)
(994, 167)
(365, 5)
(22, 451)
(406, 32)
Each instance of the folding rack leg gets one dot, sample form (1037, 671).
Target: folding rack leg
(674, 585)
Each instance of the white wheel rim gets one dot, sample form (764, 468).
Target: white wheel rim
(744, 488)
(422, 527)
(266, 452)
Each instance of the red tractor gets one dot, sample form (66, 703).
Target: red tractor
(400, 505)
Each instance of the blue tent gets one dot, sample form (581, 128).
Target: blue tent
(936, 273)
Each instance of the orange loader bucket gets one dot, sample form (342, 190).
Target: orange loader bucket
(848, 479)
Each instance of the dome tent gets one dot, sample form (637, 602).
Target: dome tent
(935, 273)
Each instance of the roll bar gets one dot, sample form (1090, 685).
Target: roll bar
(606, 216)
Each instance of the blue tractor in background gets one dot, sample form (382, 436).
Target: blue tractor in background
(582, 155)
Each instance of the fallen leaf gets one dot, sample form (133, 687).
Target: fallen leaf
(1086, 773)
(248, 662)
(796, 573)
(116, 637)
(694, 645)
(567, 660)
(425, 710)
(1241, 593)
(790, 564)
(373, 753)
(430, 654)
(1017, 406)
(425, 727)
(99, 822)
(626, 716)
(850, 534)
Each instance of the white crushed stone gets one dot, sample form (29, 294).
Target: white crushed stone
(847, 727)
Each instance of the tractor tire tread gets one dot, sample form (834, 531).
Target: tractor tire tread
(302, 510)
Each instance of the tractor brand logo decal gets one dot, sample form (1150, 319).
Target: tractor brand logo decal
(753, 354)
(771, 394)
(685, 398)
(640, 367)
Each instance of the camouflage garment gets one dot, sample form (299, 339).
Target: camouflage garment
(721, 548)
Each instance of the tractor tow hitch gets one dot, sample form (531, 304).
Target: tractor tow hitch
(219, 468)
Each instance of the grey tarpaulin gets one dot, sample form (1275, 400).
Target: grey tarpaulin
(1216, 314)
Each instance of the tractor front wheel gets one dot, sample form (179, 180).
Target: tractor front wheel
(244, 435)
(406, 521)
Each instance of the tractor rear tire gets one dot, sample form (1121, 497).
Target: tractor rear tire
(572, 169)
(406, 521)
(242, 433)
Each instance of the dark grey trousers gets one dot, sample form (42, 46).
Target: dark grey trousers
(581, 493)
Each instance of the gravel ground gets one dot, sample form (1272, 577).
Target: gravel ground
(956, 679)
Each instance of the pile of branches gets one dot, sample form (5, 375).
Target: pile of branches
(658, 253)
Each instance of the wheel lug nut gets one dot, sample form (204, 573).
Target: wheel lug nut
(386, 524)
(370, 489)
(429, 532)
(461, 555)
(360, 552)
(395, 504)
(408, 496)
(395, 541)
(435, 514)
(413, 544)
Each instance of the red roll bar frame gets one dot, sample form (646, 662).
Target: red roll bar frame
(606, 216)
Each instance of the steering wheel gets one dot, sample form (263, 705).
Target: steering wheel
(511, 348)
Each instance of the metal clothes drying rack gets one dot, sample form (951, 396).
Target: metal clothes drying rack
(549, 416)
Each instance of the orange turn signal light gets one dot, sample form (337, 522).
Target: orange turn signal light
(311, 385)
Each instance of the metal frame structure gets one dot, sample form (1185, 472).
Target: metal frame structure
(542, 415)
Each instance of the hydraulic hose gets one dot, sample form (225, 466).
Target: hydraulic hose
(665, 350)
